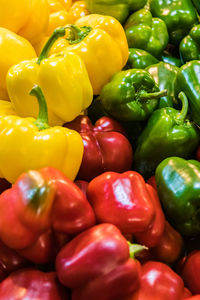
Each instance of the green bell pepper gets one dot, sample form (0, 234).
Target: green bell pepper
(147, 33)
(168, 133)
(119, 9)
(178, 183)
(172, 60)
(179, 16)
(188, 81)
(190, 46)
(165, 76)
(140, 59)
(197, 5)
(131, 95)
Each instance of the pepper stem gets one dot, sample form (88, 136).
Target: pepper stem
(135, 248)
(183, 113)
(77, 34)
(42, 119)
(146, 96)
(58, 32)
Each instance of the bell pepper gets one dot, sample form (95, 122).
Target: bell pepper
(147, 33)
(32, 284)
(71, 98)
(140, 59)
(159, 281)
(190, 271)
(165, 75)
(197, 5)
(190, 46)
(131, 95)
(104, 144)
(196, 297)
(178, 187)
(13, 49)
(187, 294)
(179, 17)
(58, 147)
(170, 59)
(153, 234)
(40, 200)
(101, 43)
(168, 133)
(119, 9)
(188, 81)
(96, 264)
(6, 108)
(123, 200)
(78, 10)
(170, 246)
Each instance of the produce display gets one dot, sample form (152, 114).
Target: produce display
(100, 150)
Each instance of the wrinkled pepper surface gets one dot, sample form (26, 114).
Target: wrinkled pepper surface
(105, 147)
(178, 187)
(119, 9)
(57, 147)
(53, 75)
(165, 75)
(147, 33)
(131, 95)
(96, 264)
(190, 46)
(179, 17)
(123, 200)
(168, 133)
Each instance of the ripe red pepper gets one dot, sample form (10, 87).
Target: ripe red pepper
(190, 271)
(152, 182)
(159, 282)
(187, 293)
(123, 200)
(106, 147)
(32, 284)
(169, 247)
(196, 297)
(151, 237)
(38, 201)
(96, 264)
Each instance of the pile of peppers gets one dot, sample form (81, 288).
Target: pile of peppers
(100, 150)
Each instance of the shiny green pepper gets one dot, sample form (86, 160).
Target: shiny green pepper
(140, 59)
(190, 46)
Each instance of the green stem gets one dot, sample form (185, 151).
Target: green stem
(135, 248)
(183, 113)
(77, 34)
(58, 32)
(146, 96)
(42, 119)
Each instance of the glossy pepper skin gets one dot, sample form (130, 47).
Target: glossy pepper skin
(179, 17)
(123, 200)
(190, 46)
(119, 9)
(188, 80)
(147, 33)
(40, 200)
(32, 284)
(178, 187)
(140, 59)
(168, 133)
(57, 147)
(131, 95)
(165, 75)
(159, 281)
(101, 43)
(13, 49)
(52, 74)
(96, 264)
(190, 269)
(106, 147)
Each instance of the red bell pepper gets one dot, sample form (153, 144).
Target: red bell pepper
(159, 282)
(38, 201)
(123, 200)
(32, 284)
(151, 237)
(106, 147)
(82, 184)
(96, 264)
(152, 182)
(190, 271)
(196, 297)
(187, 293)
(170, 246)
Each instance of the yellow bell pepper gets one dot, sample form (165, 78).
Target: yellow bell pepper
(63, 79)
(13, 49)
(101, 43)
(31, 144)
(6, 108)
(77, 10)
(57, 5)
